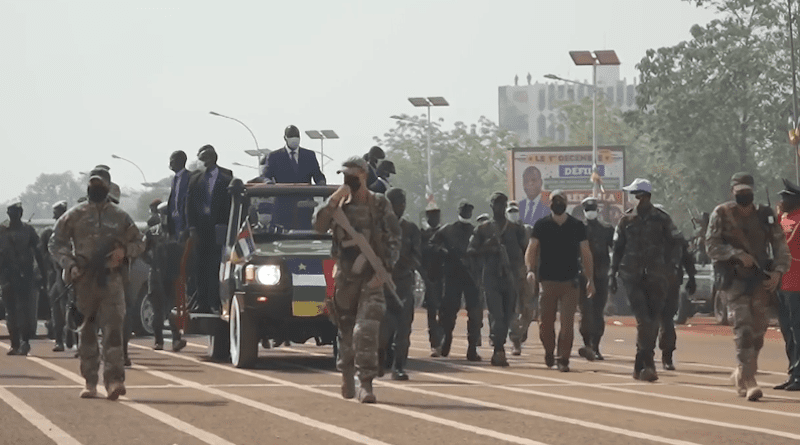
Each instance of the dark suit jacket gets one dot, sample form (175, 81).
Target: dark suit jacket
(220, 203)
(279, 167)
(178, 202)
(539, 212)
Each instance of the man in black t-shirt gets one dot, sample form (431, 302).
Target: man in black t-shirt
(559, 240)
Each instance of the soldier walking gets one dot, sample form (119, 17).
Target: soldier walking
(431, 272)
(91, 243)
(398, 319)
(359, 302)
(19, 247)
(452, 240)
(738, 240)
(642, 242)
(55, 284)
(600, 236)
(527, 293)
(501, 245)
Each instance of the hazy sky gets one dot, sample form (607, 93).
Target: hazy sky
(80, 80)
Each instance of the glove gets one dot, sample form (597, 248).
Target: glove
(691, 286)
(612, 284)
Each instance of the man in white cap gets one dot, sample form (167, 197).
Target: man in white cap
(642, 244)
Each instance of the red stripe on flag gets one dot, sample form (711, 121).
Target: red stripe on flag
(327, 267)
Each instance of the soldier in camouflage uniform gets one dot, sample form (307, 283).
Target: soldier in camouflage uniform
(600, 236)
(642, 243)
(18, 249)
(398, 320)
(359, 301)
(431, 272)
(527, 293)
(55, 284)
(91, 243)
(738, 238)
(452, 240)
(679, 260)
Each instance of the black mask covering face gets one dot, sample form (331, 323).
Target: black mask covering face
(558, 208)
(97, 193)
(744, 199)
(353, 182)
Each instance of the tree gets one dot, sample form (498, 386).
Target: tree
(49, 188)
(717, 103)
(469, 162)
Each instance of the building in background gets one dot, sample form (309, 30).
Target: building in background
(531, 111)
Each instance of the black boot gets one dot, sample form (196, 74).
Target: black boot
(666, 360)
(448, 341)
(472, 354)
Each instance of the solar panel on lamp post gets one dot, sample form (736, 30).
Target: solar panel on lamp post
(434, 101)
(322, 135)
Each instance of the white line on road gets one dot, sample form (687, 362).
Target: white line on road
(162, 417)
(41, 423)
(410, 413)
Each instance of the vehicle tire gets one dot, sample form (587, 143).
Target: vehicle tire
(219, 343)
(720, 308)
(243, 336)
(684, 308)
(143, 313)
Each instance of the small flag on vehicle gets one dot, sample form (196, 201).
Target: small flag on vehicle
(244, 246)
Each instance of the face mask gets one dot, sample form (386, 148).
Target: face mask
(97, 193)
(590, 214)
(293, 143)
(744, 199)
(353, 182)
(558, 208)
(513, 216)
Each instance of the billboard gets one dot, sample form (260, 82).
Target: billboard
(536, 171)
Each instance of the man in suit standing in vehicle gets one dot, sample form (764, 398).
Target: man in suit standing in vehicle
(293, 163)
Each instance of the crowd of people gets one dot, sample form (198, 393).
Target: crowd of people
(520, 261)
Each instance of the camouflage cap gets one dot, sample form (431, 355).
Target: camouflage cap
(100, 174)
(742, 180)
(352, 165)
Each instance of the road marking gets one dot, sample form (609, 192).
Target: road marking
(433, 419)
(162, 417)
(41, 423)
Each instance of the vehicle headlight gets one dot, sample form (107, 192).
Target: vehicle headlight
(268, 274)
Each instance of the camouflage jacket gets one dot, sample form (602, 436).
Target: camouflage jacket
(512, 236)
(643, 242)
(375, 220)
(730, 233)
(88, 228)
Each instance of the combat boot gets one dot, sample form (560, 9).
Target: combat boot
(399, 374)
(472, 354)
(365, 394)
(348, 384)
(517, 347)
(178, 345)
(666, 360)
(24, 348)
(549, 359)
(597, 354)
(499, 358)
(648, 374)
(738, 382)
(753, 390)
(587, 352)
(115, 390)
(59, 347)
(89, 392)
(446, 343)
(436, 352)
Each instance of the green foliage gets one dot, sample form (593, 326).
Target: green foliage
(469, 162)
(49, 188)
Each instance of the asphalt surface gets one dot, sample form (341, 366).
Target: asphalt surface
(293, 397)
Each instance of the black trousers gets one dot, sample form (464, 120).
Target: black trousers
(20, 302)
(396, 326)
(162, 296)
(501, 301)
(593, 324)
(58, 309)
(433, 304)
(647, 294)
(667, 337)
(207, 275)
(458, 282)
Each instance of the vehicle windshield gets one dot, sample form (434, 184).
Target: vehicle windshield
(284, 217)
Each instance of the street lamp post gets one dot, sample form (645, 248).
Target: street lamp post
(132, 163)
(322, 135)
(258, 151)
(435, 101)
(600, 57)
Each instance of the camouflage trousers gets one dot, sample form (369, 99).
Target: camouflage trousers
(750, 321)
(103, 308)
(359, 311)
(647, 294)
(527, 301)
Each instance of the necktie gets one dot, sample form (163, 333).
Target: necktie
(208, 188)
(529, 213)
(293, 156)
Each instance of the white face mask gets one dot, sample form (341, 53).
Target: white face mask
(513, 216)
(462, 219)
(293, 143)
(590, 214)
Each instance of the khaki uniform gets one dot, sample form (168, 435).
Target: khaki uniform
(359, 308)
(729, 234)
(84, 232)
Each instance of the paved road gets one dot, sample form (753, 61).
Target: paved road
(293, 398)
